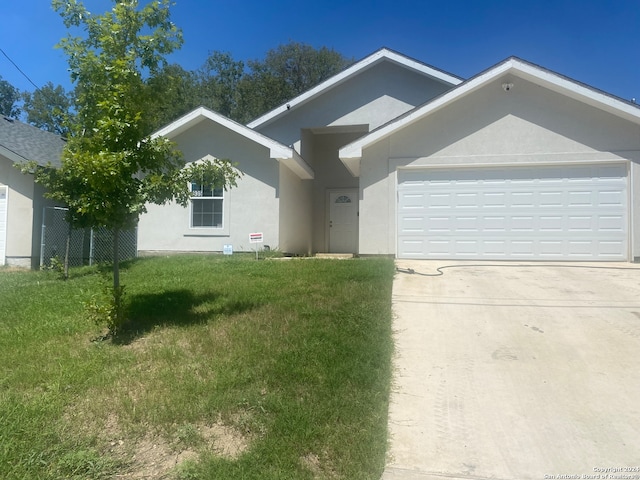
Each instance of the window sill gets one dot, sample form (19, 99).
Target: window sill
(206, 232)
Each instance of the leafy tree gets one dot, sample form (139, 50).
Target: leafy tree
(300, 67)
(219, 78)
(286, 71)
(48, 108)
(173, 91)
(239, 90)
(9, 96)
(111, 167)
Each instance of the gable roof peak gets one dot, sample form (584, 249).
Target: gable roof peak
(277, 150)
(350, 154)
(380, 55)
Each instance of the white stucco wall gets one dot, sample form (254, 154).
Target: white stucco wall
(20, 205)
(377, 202)
(372, 98)
(529, 124)
(252, 206)
(295, 213)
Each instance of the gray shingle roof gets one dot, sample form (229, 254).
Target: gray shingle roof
(30, 143)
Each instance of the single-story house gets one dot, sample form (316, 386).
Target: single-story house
(395, 157)
(21, 199)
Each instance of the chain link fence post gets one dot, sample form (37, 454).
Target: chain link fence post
(55, 231)
(87, 246)
(101, 242)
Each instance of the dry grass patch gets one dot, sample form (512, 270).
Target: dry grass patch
(230, 368)
(224, 440)
(155, 455)
(321, 469)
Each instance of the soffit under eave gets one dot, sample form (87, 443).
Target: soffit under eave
(352, 164)
(298, 165)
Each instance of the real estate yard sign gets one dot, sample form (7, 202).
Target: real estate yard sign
(256, 238)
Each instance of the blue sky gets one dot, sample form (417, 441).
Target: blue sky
(595, 42)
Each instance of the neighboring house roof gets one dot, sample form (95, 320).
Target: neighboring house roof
(277, 150)
(516, 68)
(384, 54)
(21, 142)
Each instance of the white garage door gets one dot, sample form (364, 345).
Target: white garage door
(576, 212)
(3, 223)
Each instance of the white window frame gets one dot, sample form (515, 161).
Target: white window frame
(206, 231)
(216, 194)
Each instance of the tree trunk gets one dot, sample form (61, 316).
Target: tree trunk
(116, 318)
(116, 259)
(66, 252)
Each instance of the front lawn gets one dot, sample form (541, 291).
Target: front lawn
(235, 368)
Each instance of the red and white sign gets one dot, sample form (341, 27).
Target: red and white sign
(255, 238)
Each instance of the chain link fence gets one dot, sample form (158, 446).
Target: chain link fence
(86, 247)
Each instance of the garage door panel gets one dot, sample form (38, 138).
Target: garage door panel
(495, 247)
(522, 199)
(581, 223)
(494, 200)
(495, 224)
(551, 248)
(611, 249)
(413, 225)
(467, 224)
(580, 198)
(413, 200)
(549, 224)
(611, 198)
(438, 200)
(489, 249)
(521, 248)
(552, 199)
(466, 200)
(582, 248)
(466, 247)
(520, 223)
(611, 223)
(560, 212)
(439, 224)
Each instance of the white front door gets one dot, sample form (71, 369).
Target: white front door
(3, 223)
(343, 221)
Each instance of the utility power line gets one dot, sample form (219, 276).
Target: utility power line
(18, 68)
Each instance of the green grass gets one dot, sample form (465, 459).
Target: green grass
(231, 368)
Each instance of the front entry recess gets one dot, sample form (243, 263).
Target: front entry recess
(343, 221)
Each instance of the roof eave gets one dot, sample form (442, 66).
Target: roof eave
(519, 68)
(578, 91)
(352, 163)
(180, 125)
(277, 150)
(11, 155)
(339, 78)
(298, 165)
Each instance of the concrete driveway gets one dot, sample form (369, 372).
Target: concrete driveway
(510, 371)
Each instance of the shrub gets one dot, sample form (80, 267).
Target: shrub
(108, 309)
